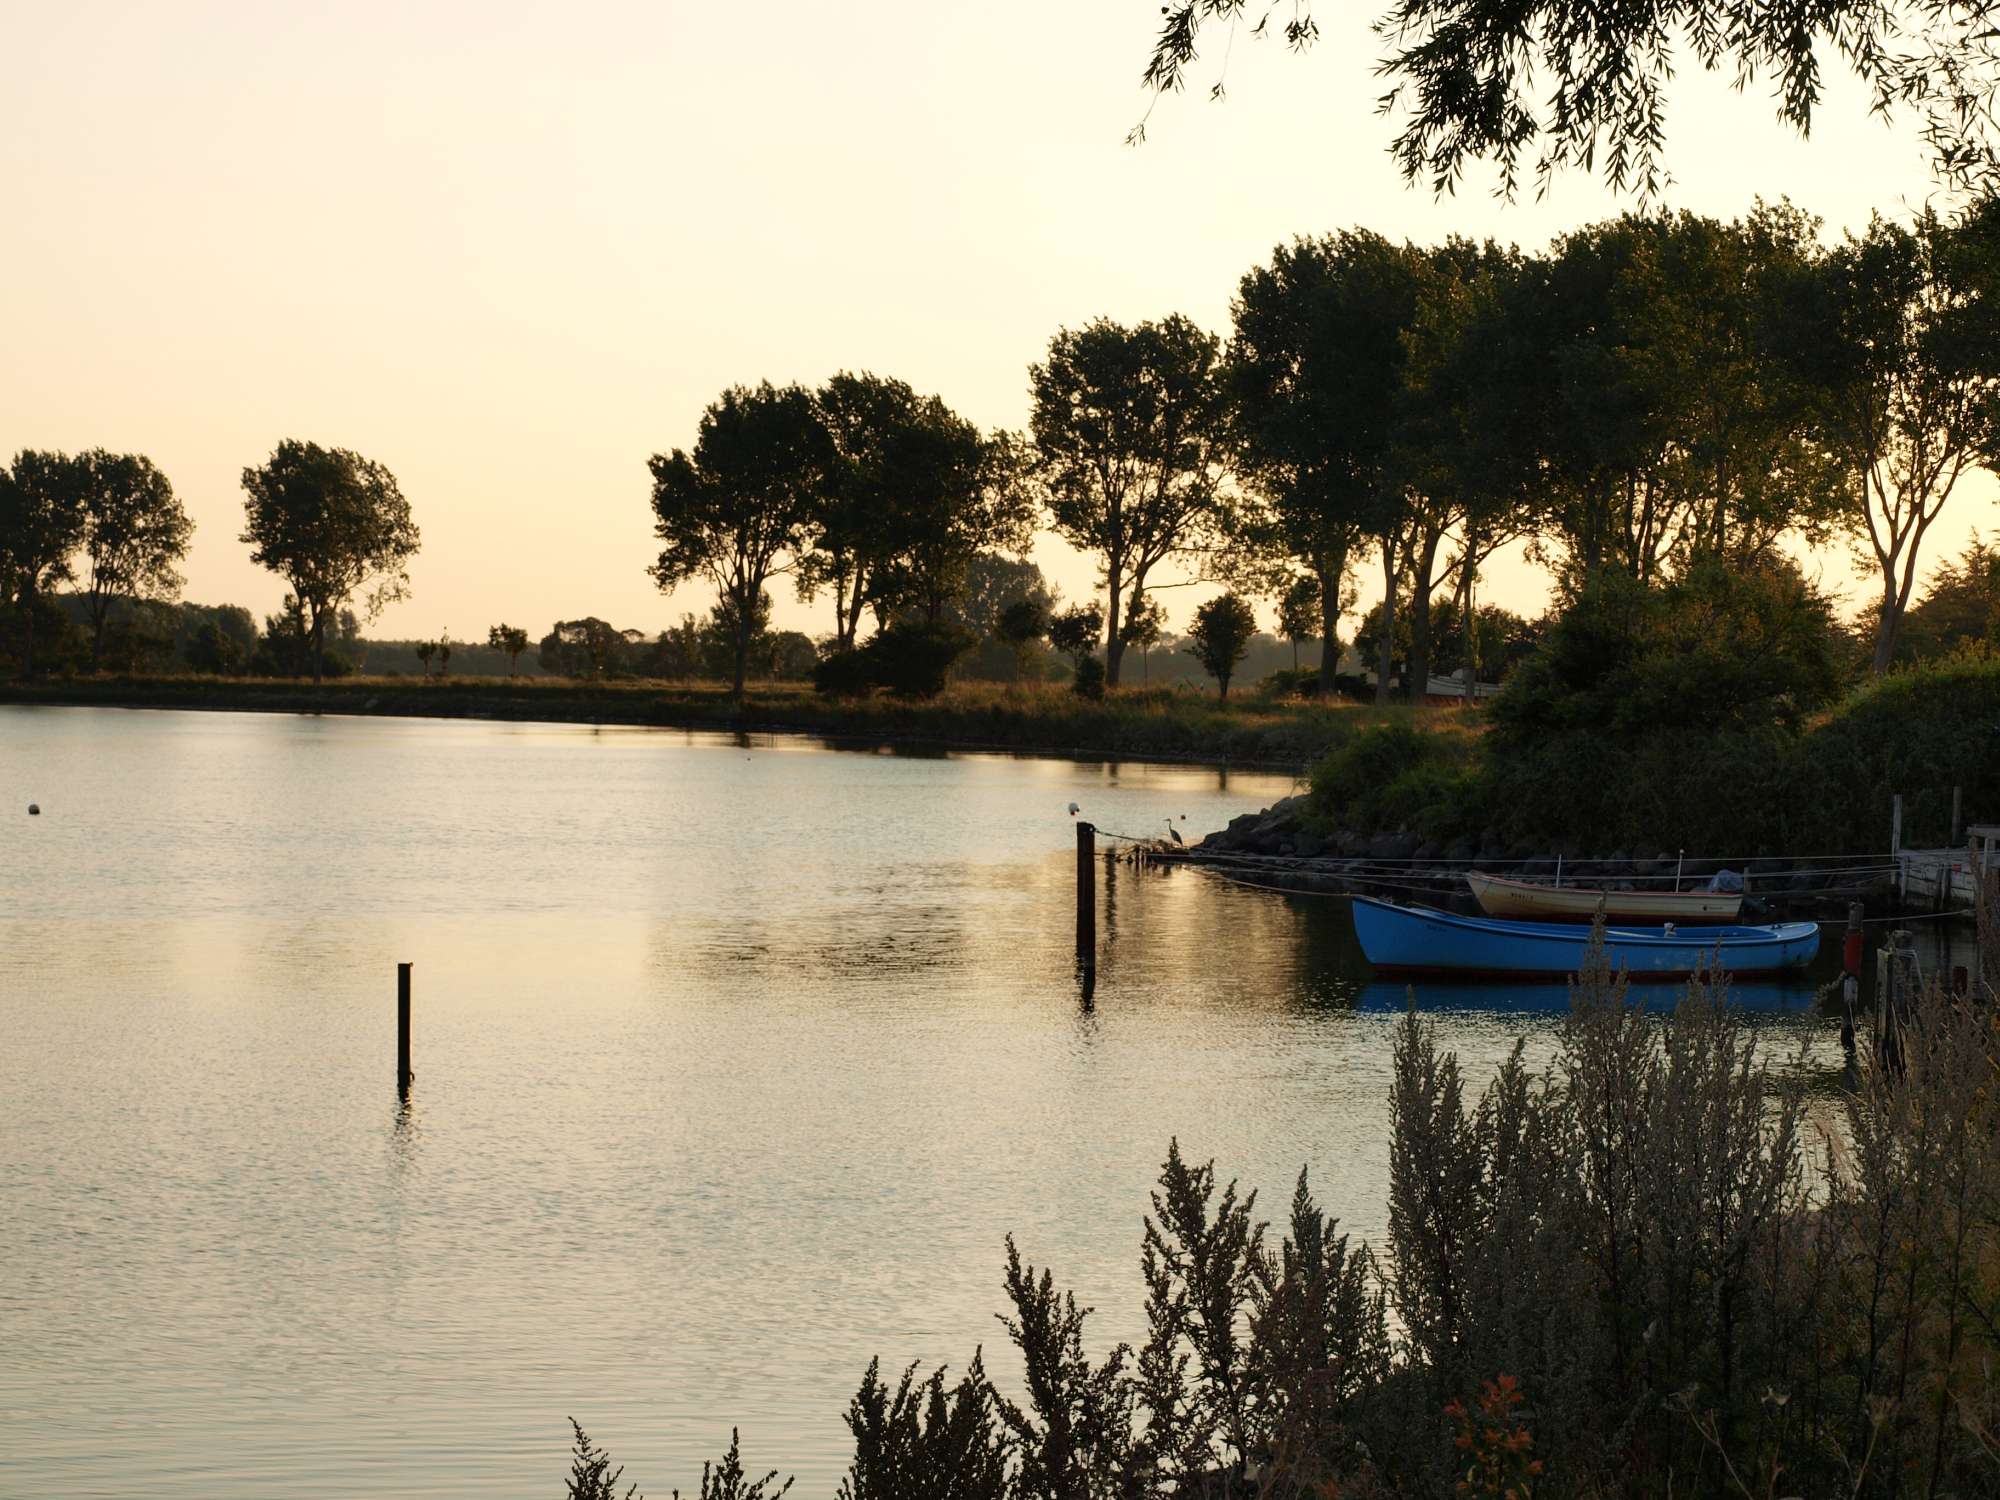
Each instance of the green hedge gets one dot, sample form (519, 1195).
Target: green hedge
(1740, 789)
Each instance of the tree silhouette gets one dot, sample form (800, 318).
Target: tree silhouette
(735, 510)
(1897, 334)
(511, 639)
(328, 521)
(1563, 84)
(1144, 624)
(42, 507)
(1076, 631)
(134, 533)
(1019, 626)
(1316, 374)
(1298, 615)
(1220, 636)
(1130, 434)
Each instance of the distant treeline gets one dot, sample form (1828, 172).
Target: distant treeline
(1654, 403)
(152, 637)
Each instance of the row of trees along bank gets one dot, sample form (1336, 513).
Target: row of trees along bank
(333, 524)
(1649, 394)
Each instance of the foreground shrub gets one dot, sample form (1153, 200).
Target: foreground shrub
(922, 1440)
(1648, 1270)
(591, 1476)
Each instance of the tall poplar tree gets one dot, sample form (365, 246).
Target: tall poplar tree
(1895, 335)
(1316, 376)
(1131, 437)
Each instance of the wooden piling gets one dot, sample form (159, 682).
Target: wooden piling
(404, 1075)
(1896, 991)
(1086, 896)
(1850, 984)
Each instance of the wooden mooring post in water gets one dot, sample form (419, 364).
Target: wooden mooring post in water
(1850, 982)
(404, 1075)
(1086, 897)
(1896, 983)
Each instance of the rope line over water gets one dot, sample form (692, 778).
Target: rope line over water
(1293, 890)
(1859, 864)
(1864, 860)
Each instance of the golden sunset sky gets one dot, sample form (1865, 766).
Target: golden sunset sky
(511, 249)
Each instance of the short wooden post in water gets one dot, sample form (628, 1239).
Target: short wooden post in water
(403, 1073)
(1086, 896)
(1850, 984)
(1896, 980)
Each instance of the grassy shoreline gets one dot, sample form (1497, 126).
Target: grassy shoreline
(1157, 725)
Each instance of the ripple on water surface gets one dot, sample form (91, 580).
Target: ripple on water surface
(735, 1062)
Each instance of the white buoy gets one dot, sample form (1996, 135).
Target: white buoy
(34, 809)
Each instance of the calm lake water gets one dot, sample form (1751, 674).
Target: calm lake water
(735, 1063)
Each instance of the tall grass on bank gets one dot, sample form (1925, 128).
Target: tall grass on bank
(1666, 1264)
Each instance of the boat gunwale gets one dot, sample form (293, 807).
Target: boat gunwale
(1638, 978)
(1573, 903)
(1574, 935)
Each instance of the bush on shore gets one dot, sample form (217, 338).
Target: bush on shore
(1654, 1268)
(909, 661)
(1745, 787)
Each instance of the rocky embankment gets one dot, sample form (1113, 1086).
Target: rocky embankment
(1278, 846)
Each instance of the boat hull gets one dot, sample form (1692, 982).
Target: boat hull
(1524, 901)
(1418, 940)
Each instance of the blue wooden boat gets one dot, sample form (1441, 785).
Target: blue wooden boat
(1418, 940)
